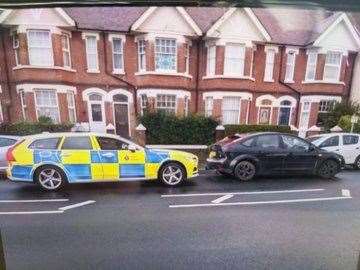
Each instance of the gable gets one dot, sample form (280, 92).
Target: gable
(339, 37)
(166, 20)
(239, 24)
(40, 16)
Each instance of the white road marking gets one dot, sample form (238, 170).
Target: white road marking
(222, 198)
(33, 201)
(71, 206)
(345, 193)
(32, 212)
(242, 193)
(259, 202)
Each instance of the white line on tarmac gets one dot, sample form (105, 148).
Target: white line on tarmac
(242, 193)
(71, 206)
(222, 198)
(345, 193)
(32, 212)
(33, 201)
(259, 202)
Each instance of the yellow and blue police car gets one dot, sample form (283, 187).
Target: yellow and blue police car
(53, 160)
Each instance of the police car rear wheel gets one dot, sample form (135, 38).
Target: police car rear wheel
(172, 174)
(50, 178)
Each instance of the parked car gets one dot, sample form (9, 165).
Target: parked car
(272, 153)
(53, 160)
(5, 143)
(345, 144)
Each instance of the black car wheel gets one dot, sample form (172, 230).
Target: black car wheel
(357, 163)
(245, 170)
(328, 168)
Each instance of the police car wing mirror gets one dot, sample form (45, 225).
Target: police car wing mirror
(132, 148)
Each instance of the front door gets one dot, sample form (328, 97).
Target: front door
(96, 112)
(121, 119)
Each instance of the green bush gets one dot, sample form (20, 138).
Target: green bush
(345, 124)
(163, 128)
(332, 118)
(232, 129)
(28, 128)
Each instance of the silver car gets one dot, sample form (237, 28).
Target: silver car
(5, 143)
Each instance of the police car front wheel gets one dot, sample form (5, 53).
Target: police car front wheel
(172, 174)
(50, 178)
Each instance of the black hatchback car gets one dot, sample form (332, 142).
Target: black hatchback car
(248, 155)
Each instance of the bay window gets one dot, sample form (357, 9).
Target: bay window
(166, 103)
(141, 55)
(209, 106)
(325, 106)
(65, 44)
(143, 103)
(305, 116)
(71, 106)
(23, 103)
(91, 53)
(165, 54)
(234, 59)
(187, 58)
(290, 66)
(231, 110)
(15, 42)
(47, 104)
(40, 48)
(269, 65)
(117, 52)
(311, 66)
(332, 66)
(211, 60)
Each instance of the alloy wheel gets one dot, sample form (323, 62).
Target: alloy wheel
(245, 170)
(50, 179)
(172, 175)
(329, 168)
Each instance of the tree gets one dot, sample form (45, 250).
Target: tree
(332, 118)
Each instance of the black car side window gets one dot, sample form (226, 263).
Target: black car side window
(268, 142)
(294, 144)
(350, 139)
(332, 141)
(107, 143)
(248, 142)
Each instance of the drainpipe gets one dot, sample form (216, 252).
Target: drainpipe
(132, 86)
(197, 76)
(8, 103)
(288, 86)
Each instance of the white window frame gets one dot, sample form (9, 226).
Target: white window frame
(285, 106)
(143, 103)
(96, 53)
(121, 52)
(32, 61)
(305, 108)
(66, 50)
(23, 103)
(269, 65)
(174, 70)
(38, 106)
(211, 60)
(311, 65)
(325, 106)
(187, 58)
(271, 106)
(158, 107)
(186, 106)
(338, 66)
(231, 59)
(209, 105)
(224, 110)
(141, 53)
(290, 66)
(71, 95)
(16, 45)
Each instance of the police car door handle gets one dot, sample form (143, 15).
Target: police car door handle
(108, 155)
(65, 155)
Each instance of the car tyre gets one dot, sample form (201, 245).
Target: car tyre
(245, 170)
(357, 163)
(328, 169)
(50, 178)
(172, 174)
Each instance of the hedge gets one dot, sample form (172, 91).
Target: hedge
(231, 129)
(163, 128)
(28, 128)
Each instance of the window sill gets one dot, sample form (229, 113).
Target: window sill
(43, 67)
(321, 81)
(118, 72)
(161, 73)
(93, 71)
(289, 81)
(269, 80)
(210, 77)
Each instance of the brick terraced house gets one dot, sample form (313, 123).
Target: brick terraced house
(103, 65)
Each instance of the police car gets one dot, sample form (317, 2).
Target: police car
(53, 160)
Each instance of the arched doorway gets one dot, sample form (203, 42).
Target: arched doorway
(121, 115)
(96, 112)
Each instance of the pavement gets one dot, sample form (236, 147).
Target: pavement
(213, 222)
